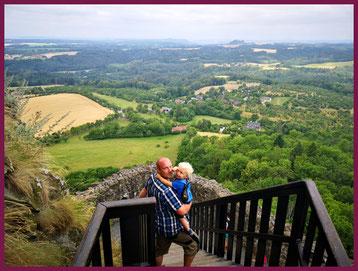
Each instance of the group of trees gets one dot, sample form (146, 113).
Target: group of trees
(253, 161)
(138, 128)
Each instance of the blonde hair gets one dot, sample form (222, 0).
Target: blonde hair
(188, 168)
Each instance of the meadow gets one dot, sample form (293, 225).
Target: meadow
(117, 101)
(279, 100)
(79, 154)
(214, 120)
(328, 65)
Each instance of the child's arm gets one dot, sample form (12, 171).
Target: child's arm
(185, 223)
(143, 193)
(164, 181)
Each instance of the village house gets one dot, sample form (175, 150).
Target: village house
(179, 101)
(235, 103)
(265, 99)
(179, 129)
(165, 110)
(254, 125)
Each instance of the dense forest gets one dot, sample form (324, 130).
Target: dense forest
(282, 112)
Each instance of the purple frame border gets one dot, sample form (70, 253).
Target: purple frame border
(215, 2)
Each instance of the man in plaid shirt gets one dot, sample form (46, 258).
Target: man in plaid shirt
(168, 226)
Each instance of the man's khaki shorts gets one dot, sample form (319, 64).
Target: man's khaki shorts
(182, 239)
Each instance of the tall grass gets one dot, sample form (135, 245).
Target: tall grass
(33, 219)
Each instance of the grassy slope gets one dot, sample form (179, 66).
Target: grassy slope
(279, 100)
(214, 120)
(329, 65)
(117, 101)
(78, 154)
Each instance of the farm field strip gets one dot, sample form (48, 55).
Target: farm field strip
(214, 120)
(116, 101)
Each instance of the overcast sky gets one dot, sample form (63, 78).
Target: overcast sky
(191, 22)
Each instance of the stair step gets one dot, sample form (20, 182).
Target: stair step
(202, 258)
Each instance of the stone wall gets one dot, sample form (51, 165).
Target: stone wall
(126, 183)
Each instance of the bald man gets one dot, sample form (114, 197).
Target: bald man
(168, 226)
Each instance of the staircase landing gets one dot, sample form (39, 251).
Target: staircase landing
(202, 258)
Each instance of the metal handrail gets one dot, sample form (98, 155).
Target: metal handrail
(209, 219)
(308, 201)
(88, 251)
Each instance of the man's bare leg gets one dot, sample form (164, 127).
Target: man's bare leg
(188, 260)
(159, 260)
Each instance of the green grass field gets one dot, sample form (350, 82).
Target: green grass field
(329, 65)
(117, 101)
(214, 120)
(279, 100)
(123, 122)
(79, 154)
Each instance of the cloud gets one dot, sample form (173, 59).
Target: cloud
(181, 21)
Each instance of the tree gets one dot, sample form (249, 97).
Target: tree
(279, 142)
(231, 169)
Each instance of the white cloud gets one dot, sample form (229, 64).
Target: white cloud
(259, 22)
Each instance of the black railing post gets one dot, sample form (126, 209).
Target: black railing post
(107, 243)
(130, 240)
(220, 221)
(251, 229)
(151, 237)
(298, 224)
(240, 228)
(279, 229)
(231, 226)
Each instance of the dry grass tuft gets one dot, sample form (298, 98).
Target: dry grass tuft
(21, 252)
(63, 214)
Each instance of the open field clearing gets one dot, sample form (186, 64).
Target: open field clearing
(210, 134)
(267, 66)
(117, 101)
(49, 55)
(279, 100)
(30, 87)
(214, 120)
(39, 56)
(229, 86)
(123, 122)
(78, 154)
(38, 44)
(63, 111)
(222, 76)
(208, 65)
(268, 51)
(328, 65)
(204, 90)
(247, 115)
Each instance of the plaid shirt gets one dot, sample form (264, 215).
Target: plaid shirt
(166, 222)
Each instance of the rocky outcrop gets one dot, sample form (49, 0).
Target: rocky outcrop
(126, 183)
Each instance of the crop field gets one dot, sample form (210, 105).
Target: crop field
(268, 51)
(229, 86)
(279, 100)
(79, 154)
(214, 120)
(117, 101)
(62, 111)
(267, 66)
(328, 65)
(210, 134)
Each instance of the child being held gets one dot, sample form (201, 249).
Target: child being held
(181, 187)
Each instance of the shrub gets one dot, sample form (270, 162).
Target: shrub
(81, 180)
